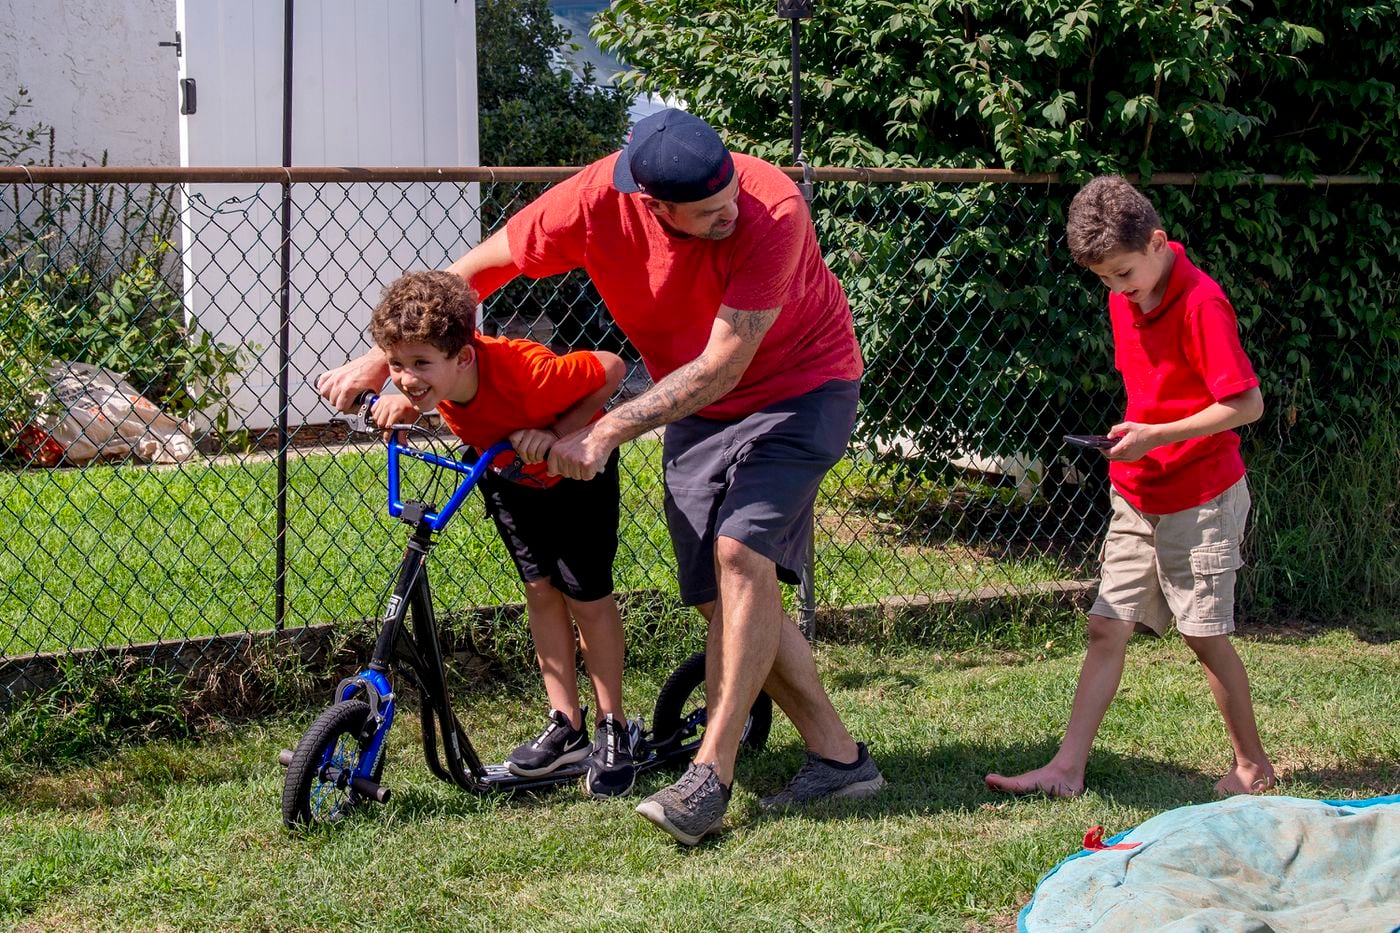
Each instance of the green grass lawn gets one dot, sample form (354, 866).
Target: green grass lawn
(187, 835)
(118, 555)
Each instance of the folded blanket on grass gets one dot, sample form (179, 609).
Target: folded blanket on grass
(1242, 864)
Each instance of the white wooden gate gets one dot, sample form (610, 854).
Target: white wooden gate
(375, 83)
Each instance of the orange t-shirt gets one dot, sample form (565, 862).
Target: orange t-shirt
(521, 384)
(664, 290)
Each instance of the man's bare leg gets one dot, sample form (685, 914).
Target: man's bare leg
(752, 644)
(1098, 682)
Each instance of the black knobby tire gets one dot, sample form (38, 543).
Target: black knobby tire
(307, 797)
(683, 697)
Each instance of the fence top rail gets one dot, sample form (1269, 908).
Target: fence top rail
(141, 174)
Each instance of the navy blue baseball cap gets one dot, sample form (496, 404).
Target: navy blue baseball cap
(673, 156)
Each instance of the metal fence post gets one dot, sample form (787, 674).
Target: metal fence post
(794, 11)
(284, 327)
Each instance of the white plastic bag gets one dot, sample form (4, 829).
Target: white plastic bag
(100, 415)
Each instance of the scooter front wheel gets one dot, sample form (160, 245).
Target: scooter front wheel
(318, 787)
(681, 713)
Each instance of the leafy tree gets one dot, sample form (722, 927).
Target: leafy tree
(1036, 85)
(535, 111)
(979, 331)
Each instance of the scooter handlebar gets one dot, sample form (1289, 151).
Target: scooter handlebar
(470, 472)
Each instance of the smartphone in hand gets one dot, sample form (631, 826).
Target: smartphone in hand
(1096, 441)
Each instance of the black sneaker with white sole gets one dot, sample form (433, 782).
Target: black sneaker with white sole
(612, 769)
(558, 745)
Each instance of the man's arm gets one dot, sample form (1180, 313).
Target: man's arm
(1135, 440)
(533, 444)
(734, 339)
(485, 267)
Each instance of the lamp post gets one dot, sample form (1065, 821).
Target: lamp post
(793, 11)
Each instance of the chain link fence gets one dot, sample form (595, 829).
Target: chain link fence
(234, 503)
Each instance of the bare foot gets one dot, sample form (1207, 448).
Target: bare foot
(1049, 780)
(1246, 779)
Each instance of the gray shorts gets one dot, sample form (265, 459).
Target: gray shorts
(754, 480)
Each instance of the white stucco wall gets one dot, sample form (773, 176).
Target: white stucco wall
(96, 75)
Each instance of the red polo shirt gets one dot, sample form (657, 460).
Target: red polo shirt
(664, 290)
(1176, 361)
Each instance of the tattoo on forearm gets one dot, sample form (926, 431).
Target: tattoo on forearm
(697, 383)
(684, 391)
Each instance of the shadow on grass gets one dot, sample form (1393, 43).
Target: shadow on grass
(1370, 777)
(872, 677)
(1276, 631)
(129, 776)
(943, 779)
(950, 777)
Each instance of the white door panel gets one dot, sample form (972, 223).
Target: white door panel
(375, 83)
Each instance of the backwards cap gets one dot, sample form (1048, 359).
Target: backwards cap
(673, 156)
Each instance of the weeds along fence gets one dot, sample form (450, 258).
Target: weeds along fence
(220, 294)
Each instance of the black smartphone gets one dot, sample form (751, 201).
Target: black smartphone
(1099, 441)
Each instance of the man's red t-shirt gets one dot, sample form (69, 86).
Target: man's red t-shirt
(521, 384)
(664, 290)
(1176, 361)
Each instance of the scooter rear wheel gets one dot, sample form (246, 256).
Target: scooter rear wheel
(680, 715)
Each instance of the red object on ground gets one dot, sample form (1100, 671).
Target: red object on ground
(1093, 841)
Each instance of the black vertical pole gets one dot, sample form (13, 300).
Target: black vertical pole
(794, 46)
(284, 325)
(795, 11)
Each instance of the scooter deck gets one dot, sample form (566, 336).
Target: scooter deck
(499, 777)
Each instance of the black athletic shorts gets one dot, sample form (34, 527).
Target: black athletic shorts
(565, 533)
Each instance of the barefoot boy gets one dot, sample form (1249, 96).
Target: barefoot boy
(1178, 490)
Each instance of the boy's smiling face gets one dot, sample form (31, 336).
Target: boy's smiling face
(426, 375)
(1139, 275)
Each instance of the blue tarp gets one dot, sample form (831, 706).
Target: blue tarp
(1241, 864)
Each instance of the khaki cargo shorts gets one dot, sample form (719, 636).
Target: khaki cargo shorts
(1179, 566)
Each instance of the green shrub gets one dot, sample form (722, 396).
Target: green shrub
(134, 324)
(978, 329)
(96, 705)
(82, 279)
(1325, 529)
(16, 141)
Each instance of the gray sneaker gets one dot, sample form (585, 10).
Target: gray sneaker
(821, 778)
(690, 809)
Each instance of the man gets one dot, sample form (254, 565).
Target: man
(708, 262)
